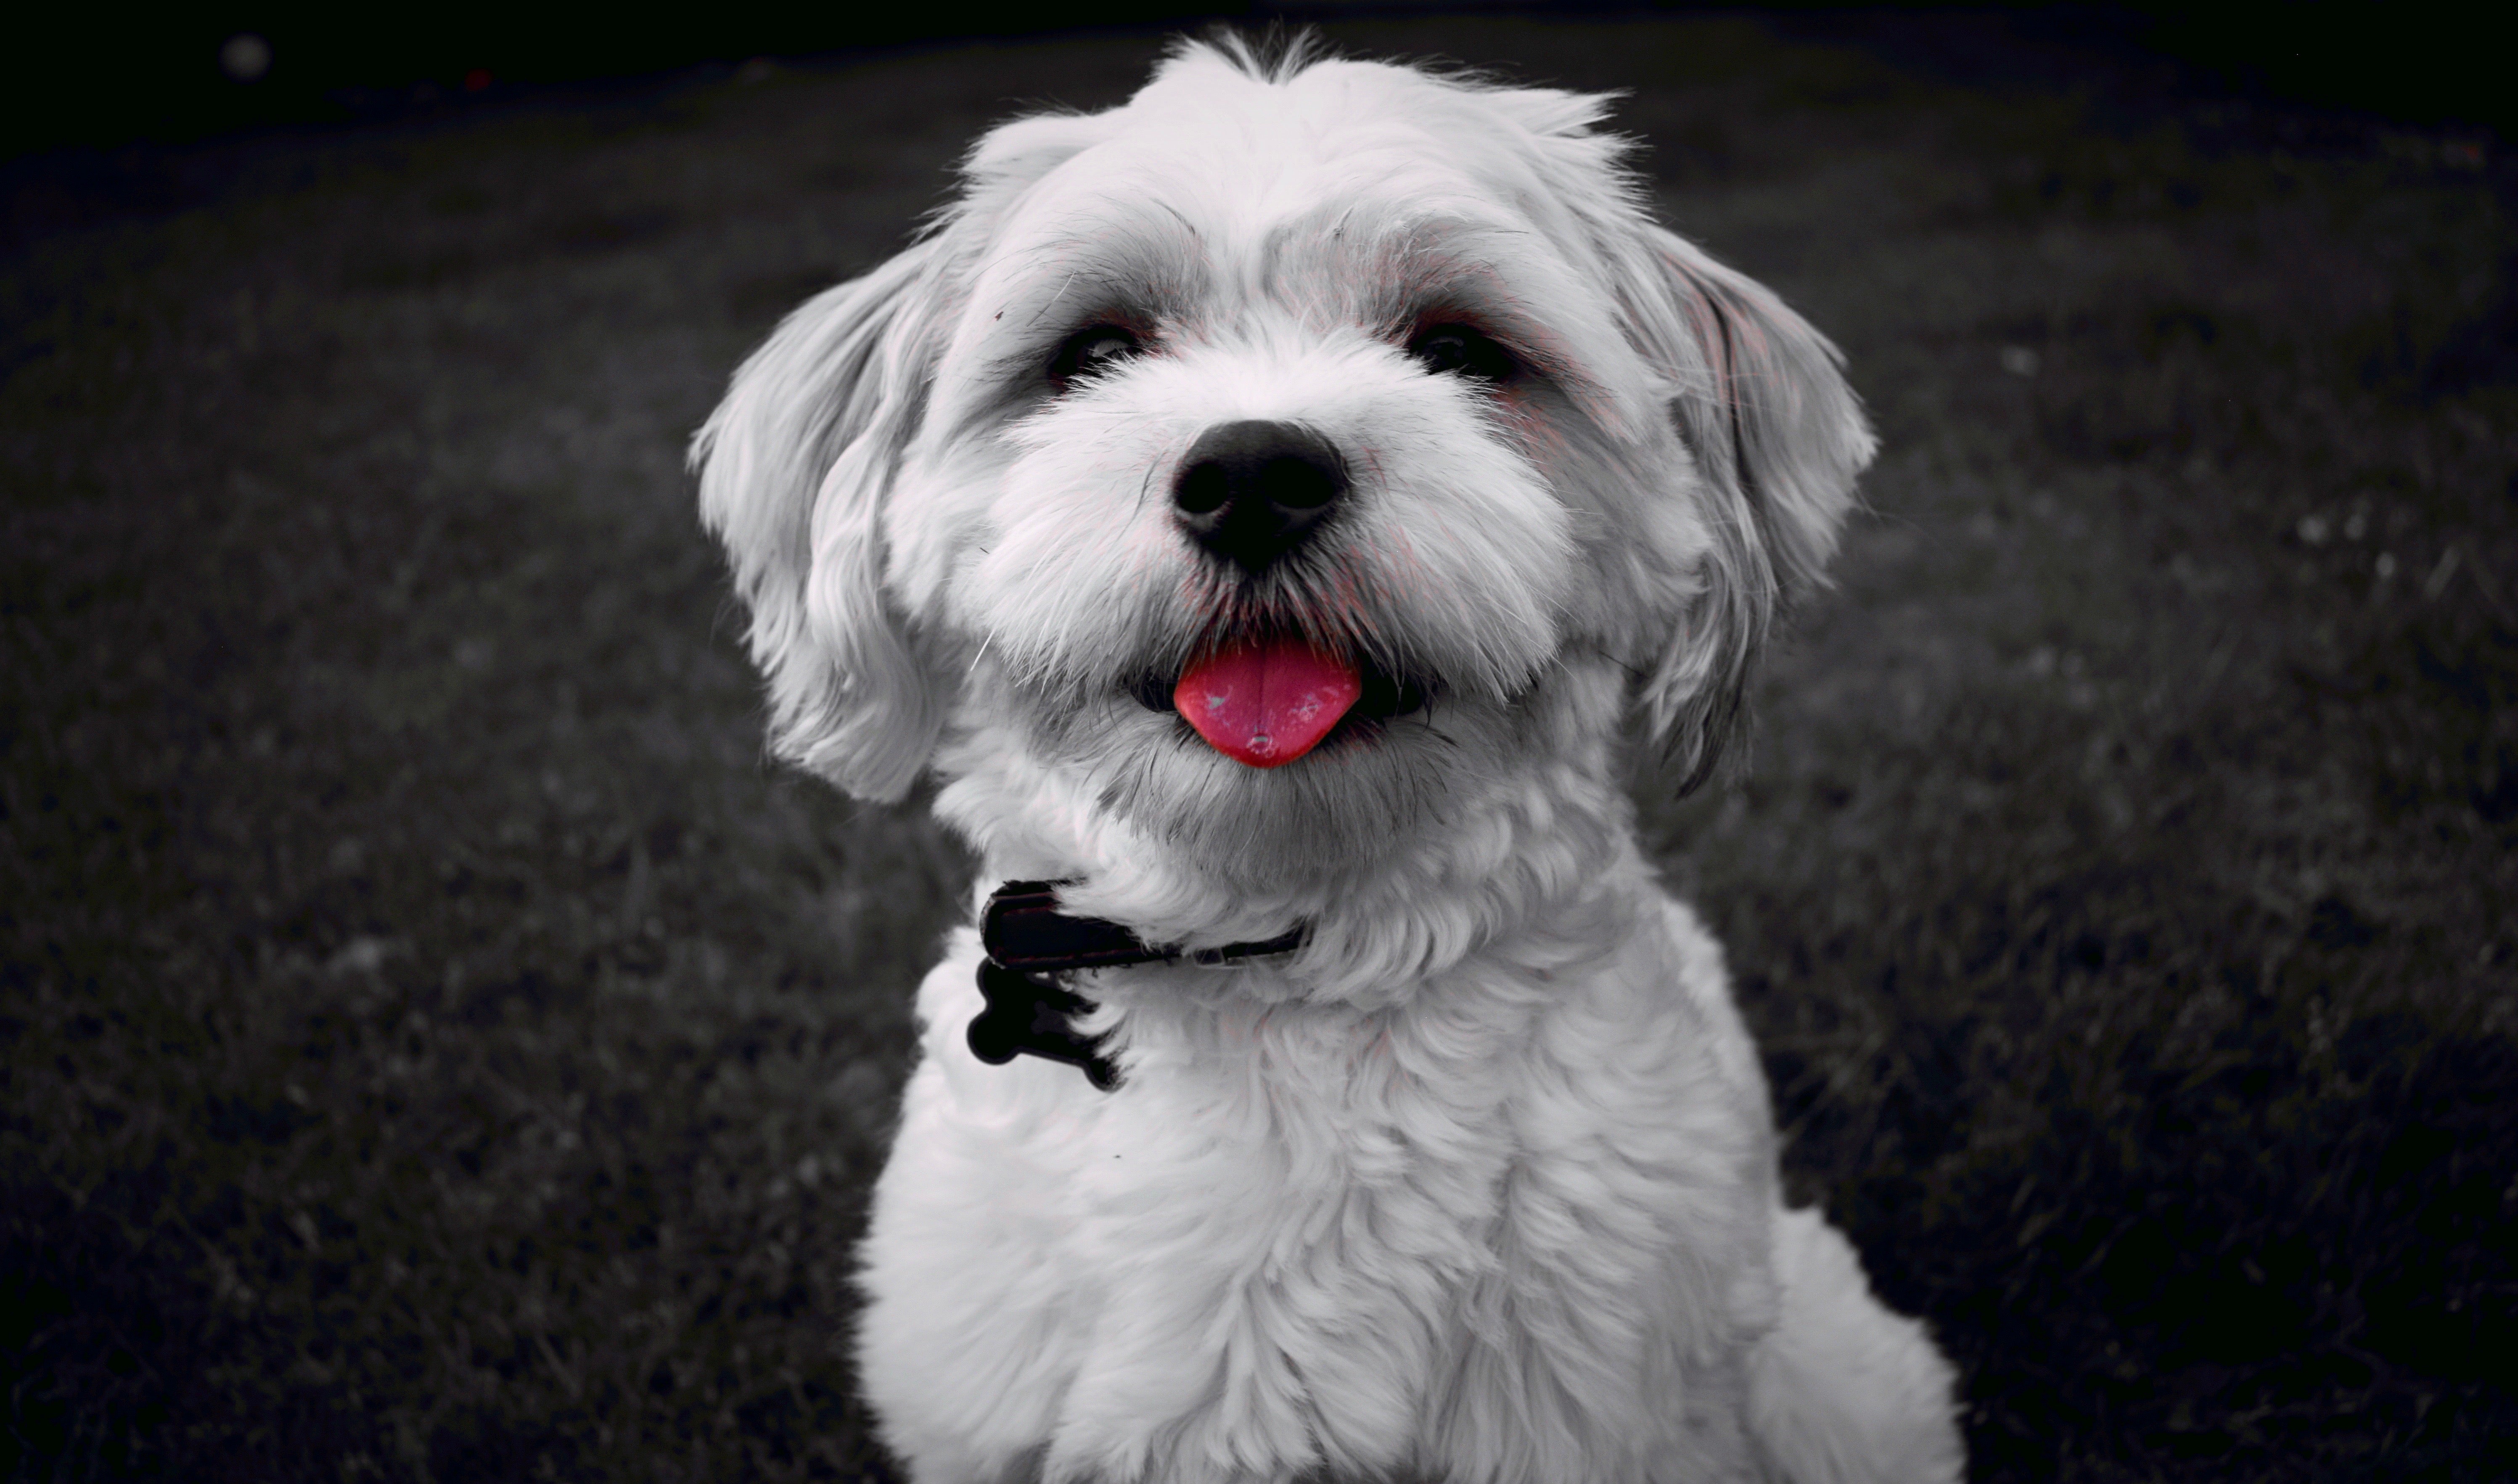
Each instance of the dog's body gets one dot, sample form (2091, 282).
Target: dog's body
(1354, 382)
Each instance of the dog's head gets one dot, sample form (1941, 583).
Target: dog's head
(1360, 413)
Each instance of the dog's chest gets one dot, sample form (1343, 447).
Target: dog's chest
(1322, 1238)
(1310, 1263)
(1309, 1171)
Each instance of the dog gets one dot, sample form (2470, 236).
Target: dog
(1274, 512)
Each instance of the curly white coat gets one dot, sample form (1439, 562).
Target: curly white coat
(1479, 1185)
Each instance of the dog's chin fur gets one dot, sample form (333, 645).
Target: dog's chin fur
(1477, 1184)
(1399, 848)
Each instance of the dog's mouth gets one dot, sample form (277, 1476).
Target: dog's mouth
(1266, 701)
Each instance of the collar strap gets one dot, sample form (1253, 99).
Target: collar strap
(1028, 942)
(1023, 928)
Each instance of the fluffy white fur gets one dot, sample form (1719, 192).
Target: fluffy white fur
(1479, 1185)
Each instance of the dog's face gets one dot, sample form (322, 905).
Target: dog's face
(1273, 475)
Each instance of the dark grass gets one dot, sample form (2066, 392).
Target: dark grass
(437, 1046)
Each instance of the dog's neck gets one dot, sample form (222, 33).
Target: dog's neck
(1524, 888)
(1039, 964)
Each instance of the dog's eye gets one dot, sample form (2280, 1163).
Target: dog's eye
(1095, 347)
(1459, 350)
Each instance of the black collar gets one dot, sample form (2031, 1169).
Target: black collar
(1029, 943)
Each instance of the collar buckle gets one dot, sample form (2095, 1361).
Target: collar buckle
(1029, 944)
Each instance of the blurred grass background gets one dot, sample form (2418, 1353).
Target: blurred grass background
(437, 1046)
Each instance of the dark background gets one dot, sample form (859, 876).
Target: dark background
(438, 1046)
(96, 74)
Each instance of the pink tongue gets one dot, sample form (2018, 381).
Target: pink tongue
(1269, 703)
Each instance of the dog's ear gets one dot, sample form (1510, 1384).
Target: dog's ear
(1778, 438)
(797, 462)
(794, 466)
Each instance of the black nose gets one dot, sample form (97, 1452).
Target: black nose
(1250, 492)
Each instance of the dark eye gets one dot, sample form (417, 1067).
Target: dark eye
(1459, 350)
(1094, 348)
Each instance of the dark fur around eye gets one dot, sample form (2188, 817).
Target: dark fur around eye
(1094, 348)
(1461, 350)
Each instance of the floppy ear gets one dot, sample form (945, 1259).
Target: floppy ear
(794, 466)
(1778, 439)
(797, 464)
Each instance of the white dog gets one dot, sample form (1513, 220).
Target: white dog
(1273, 510)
